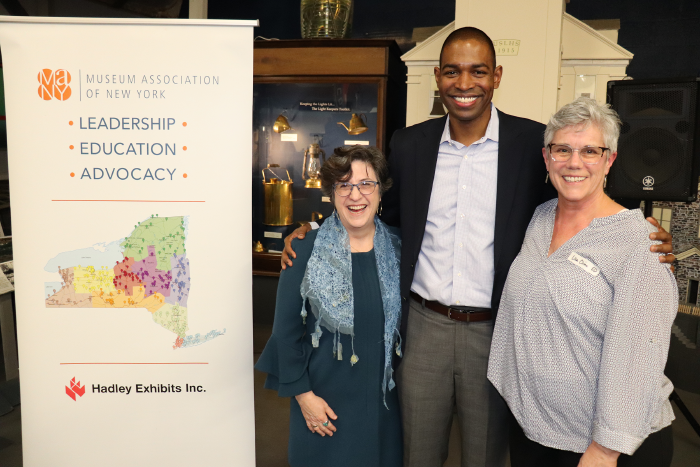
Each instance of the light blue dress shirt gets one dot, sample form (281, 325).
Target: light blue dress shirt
(455, 264)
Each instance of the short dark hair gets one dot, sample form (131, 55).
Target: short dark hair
(338, 167)
(469, 33)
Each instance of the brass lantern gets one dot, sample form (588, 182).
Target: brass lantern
(312, 166)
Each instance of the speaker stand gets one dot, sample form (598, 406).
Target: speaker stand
(684, 410)
(649, 208)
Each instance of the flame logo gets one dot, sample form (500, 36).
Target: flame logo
(75, 389)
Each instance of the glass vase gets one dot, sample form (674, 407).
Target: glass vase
(326, 19)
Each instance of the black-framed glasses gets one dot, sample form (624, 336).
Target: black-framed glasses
(590, 155)
(365, 187)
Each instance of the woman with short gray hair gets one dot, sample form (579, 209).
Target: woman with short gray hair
(584, 111)
(579, 349)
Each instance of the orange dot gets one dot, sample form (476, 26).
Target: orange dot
(184, 148)
(70, 123)
(183, 123)
(184, 175)
(71, 146)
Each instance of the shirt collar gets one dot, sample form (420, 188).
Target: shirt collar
(491, 130)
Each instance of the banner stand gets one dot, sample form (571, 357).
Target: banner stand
(129, 159)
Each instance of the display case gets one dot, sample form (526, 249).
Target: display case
(310, 97)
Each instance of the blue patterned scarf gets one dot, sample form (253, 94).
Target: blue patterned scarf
(327, 285)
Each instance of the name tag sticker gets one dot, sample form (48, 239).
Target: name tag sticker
(584, 264)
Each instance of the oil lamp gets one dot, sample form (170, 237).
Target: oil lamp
(312, 166)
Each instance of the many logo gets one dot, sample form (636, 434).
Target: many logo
(75, 389)
(54, 84)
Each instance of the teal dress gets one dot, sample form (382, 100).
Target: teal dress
(368, 434)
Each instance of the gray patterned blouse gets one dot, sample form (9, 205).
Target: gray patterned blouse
(581, 339)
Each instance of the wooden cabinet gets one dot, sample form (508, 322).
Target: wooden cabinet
(316, 84)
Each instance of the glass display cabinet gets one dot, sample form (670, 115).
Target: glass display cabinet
(310, 97)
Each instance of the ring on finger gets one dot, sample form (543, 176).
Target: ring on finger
(326, 423)
(315, 426)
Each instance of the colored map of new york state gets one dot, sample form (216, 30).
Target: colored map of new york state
(148, 269)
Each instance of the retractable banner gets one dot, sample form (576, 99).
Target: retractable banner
(129, 150)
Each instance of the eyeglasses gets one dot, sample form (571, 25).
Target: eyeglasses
(344, 189)
(590, 155)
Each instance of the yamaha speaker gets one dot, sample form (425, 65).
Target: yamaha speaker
(657, 154)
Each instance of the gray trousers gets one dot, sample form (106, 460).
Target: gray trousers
(444, 365)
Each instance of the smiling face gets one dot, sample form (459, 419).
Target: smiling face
(575, 181)
(356, 211)
(466, 79)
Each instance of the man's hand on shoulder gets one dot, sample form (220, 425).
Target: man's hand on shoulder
(288, 253)
(666, 247)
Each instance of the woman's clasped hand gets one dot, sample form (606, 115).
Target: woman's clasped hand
(317, 413)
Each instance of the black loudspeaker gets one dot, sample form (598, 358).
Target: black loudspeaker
(658, 157)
